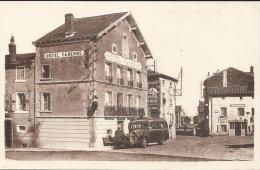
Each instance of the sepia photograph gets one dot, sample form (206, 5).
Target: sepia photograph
(129, 85)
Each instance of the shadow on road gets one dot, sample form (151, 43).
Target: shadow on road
(240, 146)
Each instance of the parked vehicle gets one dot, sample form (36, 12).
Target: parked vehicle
(142, 132)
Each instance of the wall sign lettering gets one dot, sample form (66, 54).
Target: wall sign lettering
(63, 54)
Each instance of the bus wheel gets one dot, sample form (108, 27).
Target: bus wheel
(161, 141)
(144, 143)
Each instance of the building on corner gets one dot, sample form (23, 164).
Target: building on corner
(90, 78)
(229, 96)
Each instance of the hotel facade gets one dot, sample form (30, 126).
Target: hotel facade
(90, 78)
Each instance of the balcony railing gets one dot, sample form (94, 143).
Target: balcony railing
(120, 81)
(109, 79)
(123, 111)
(130, 83)
(139, 84)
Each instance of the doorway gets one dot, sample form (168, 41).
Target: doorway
(8, 133)
(237, 128)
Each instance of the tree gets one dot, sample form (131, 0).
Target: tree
(187, 120)
(195, 120)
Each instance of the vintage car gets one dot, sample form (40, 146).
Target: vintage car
(142, 132)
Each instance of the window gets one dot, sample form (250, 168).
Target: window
(7, 102)
(138, 79)
(125, 47)
(21, 101)
(119, 74)
(108, 98)
(163, 82)
(241, 111)
(243, 125)
(45, 101)
(232, 125)
(170, 84)
(223, 111)
(130, 77)
(223, 128)
(108, 72)
(119, 99)
(134, 56)
(20, 73)
(163, 98)
(170, 99)
(114, 49)
(21, 128)
(46, 71)
(251, 119)
(108, 69)
(129, 100)
(253, 111)
(138, 101)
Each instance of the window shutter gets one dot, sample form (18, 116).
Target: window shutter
(7, 102)
(13, 101)
(27, 98)
(38, 98)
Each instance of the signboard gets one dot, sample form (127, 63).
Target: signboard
(153, 96)
(63, 54)
(237, 105)
(222, 119)
(122, 60)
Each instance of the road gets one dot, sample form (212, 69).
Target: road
(93, 156)
(183, 148)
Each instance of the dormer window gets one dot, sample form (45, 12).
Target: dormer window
(125, 47)
(134, 56)
(114, 49)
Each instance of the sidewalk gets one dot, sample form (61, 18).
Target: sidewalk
(105, 148)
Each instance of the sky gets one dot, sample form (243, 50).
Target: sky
(200, 37)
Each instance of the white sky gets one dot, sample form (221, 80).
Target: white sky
(200, 36)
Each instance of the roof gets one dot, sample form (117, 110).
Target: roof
(154, 74)
(230, 68)
(89, 28)
(229, 91)
(84, 27)
(20, 59)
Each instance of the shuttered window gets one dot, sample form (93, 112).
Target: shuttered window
(45, 101)
(20, 101)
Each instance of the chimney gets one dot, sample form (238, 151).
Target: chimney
(252, 70)
(12, 46)
(69, 23)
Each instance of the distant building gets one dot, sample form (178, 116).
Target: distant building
(202, 112)
(161, 96)
(229, 95)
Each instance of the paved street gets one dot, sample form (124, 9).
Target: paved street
(184, 148)
(218, 147)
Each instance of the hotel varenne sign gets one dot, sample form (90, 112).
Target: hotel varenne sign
(64, 54)
(122, 60)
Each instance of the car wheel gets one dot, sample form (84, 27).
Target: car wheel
(161, 141)
(144, 143)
